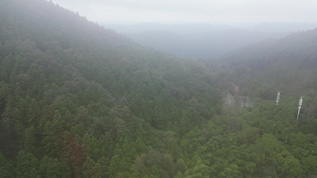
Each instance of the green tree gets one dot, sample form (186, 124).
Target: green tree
(27, 165)
(6, 168)
(51, 167)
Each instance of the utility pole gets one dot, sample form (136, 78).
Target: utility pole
(299, 106)
(278, 97)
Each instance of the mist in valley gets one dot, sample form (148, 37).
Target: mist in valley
(166, 89)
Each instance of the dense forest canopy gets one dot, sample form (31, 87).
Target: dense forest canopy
(78, 100)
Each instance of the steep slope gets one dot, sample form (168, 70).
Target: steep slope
(289, 63)
(77, 100)
(75, 96)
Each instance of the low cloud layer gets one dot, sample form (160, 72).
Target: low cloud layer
(194, 11)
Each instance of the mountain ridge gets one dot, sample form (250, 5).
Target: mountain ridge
(77, 100)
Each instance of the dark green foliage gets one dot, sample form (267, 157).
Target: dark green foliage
(77, 100)
(6, 167)
(27, 165)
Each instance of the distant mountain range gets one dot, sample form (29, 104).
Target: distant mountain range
(282, 27)
(77, 100)
(204, 41)
(288, 64)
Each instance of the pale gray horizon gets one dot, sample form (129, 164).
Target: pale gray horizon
(194, 11)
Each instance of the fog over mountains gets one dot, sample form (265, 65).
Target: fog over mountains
(78, 100)
(205, 41)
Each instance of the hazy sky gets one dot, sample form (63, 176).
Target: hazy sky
(194, 11)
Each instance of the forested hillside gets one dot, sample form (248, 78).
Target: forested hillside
(77, 100)
(288, 64)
